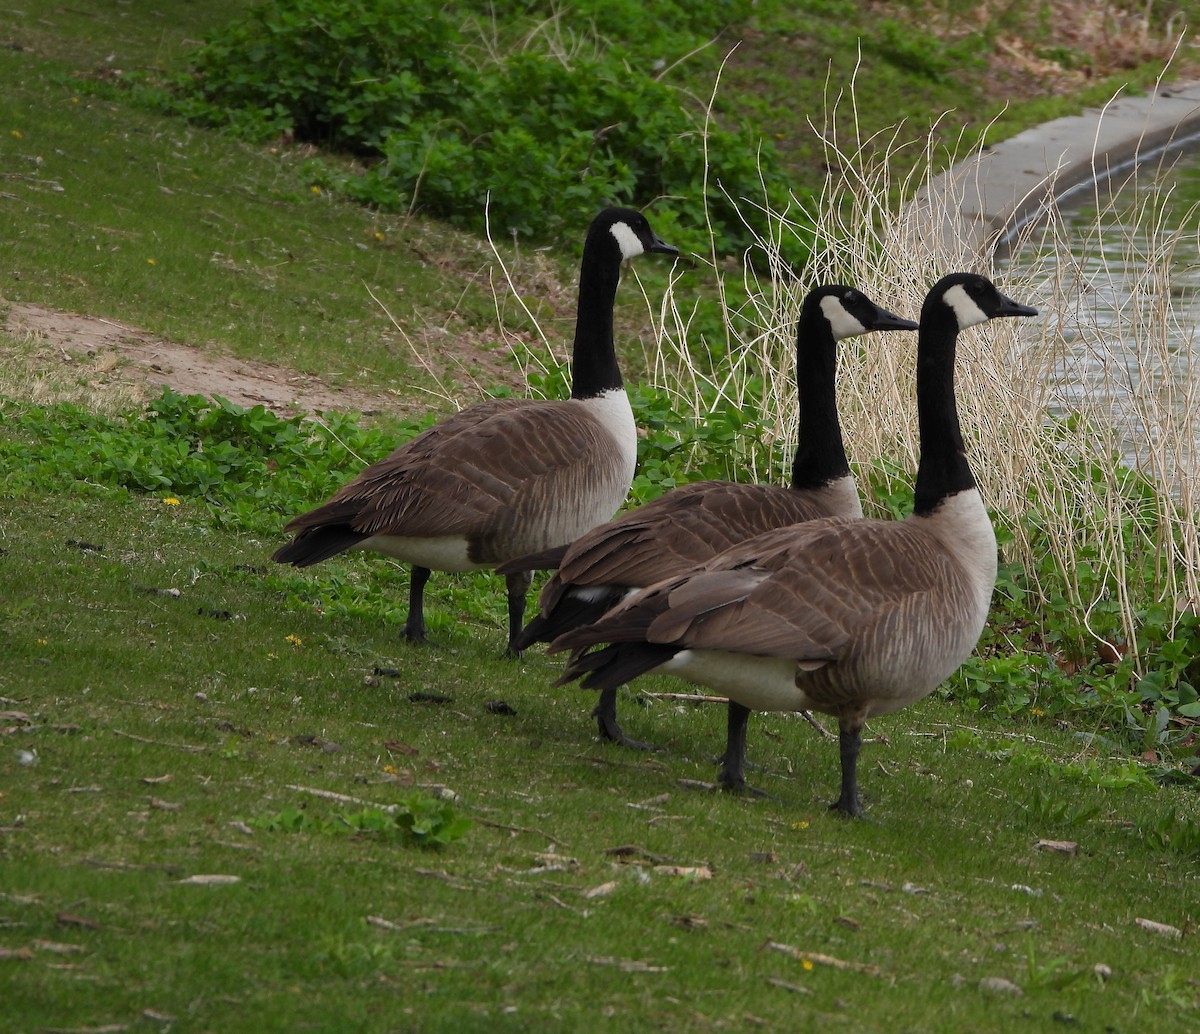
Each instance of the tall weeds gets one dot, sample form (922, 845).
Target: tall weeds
(1118, 349)
(1069, 422)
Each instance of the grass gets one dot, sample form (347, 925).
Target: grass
(133, 217)
(166, 694)
(161, 729)
(983, 72)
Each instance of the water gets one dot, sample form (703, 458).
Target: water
(1117, 272)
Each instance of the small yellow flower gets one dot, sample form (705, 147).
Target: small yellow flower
(390, 769)
(315, 189)
(802, 824)
(806, 965)
(17, 133)
(151, 262)
(1037, 712)
(295, 640)
(378, 235)
(74, 100)
(171, 501)
(272, 656)
(40, 642)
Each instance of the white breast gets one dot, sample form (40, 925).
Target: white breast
(759, 683)
(962, 525)
(444, 553)
(612, 411)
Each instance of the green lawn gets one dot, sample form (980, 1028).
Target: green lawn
(161, 697)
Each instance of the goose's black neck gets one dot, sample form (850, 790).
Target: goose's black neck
(594, 367)
(943, 470)
(820, 452)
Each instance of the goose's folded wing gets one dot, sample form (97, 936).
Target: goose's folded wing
(806, 592)
(754, 612)
(463, 476)
(685, 527)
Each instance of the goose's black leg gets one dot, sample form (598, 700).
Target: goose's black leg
(733, 762)
(518, 588)
(605, 713)
(414, 627)
(849, 742)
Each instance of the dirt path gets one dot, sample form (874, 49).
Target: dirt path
(148, 361)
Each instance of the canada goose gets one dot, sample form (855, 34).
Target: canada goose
(506, 477)
(853, 618)
(695, 522)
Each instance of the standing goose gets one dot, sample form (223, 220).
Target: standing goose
(692, 524)
(851, 618)
(506, 477)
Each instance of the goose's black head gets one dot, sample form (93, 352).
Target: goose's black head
(628, 231)
(849, 312)
(972, 299)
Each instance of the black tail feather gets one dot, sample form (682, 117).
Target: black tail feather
(312, 546)
(570, 612)
(611, 666)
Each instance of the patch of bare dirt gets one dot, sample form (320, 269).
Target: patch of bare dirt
(116, 350)
(1063, 47)
(465, 353)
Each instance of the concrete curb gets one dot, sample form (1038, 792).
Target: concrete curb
(982, 202)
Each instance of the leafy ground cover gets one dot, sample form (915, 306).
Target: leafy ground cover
(219, 765)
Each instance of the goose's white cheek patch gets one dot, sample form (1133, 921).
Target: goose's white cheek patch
(965, 309)
(841, 322)
(628, 241)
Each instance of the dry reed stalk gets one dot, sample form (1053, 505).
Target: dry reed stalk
(1056, 476)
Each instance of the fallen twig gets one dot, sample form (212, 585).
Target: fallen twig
(626, 965)
(100, 863)
(691, 698)
(342, 798)
(695, 872)
(559, 902)
(1060, 846)
(818, 958)
(1159, 928)
(24, 954)
(387, 924)
(189, 747)
(640, 766)
(634, 851)
(794, 988)
(703, 698)
(427, 923)
(57, 947)
(518, 829)
(807, 716)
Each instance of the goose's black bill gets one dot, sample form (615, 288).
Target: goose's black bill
(885, 320)
(1008, 307)
(657, 244)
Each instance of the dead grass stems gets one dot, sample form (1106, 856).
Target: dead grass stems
(1052, 409)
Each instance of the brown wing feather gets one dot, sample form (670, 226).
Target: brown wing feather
(464, 476)
(830, 582)
(684, 527)
(806, 592)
